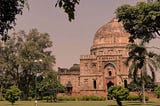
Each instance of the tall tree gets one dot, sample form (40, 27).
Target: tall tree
(140, 62)
(142, 21)
(50, 86)
(19, 55)
(34, 47)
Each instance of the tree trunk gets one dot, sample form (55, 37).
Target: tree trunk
(119, 102)
(143, 92)
(1, 96)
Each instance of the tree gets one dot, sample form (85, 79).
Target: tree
(50, 86)
(8, 12)
(138, 61)
(17, 59)
(11, 8)
(35, 46)
(149, 85)
(119, 93)
(12, 94)
(68, 6)
(142, 21)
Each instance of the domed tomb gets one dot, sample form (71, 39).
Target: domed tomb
(111, 34)
(104, 66)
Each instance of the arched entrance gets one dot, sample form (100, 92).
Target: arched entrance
(69, 88)
(109, 84)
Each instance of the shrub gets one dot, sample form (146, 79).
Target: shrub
(80, 98)
(66, 98)
(136, 98)
(146, 98)
(119, 93)
(91, 98)
(12, 94)
(157, 92)
(133, 98)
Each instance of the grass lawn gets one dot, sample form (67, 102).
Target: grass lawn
(154, 102)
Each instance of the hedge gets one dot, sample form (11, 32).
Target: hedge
(81, 98)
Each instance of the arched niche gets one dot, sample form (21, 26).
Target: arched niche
(69, 88)
(109, 70)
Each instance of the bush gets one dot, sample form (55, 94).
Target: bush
(119, 93)
(91, 98)
(133, 98)
(12, 94)
(146, 98)
(136, 98)
(81, 98)
(157, 91)
(66, 98)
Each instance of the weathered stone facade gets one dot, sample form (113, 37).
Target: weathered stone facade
(104, 66)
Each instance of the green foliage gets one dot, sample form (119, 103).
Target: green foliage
(66, 98)
(80, 98)
(136, 98)
(140, 61)
(142, 21)
(91, 98)
(8, 12)
(17, 60)
(68, 6)
(136, 86)
(11, 8)
(119, 93)
(32, 46)
(50, 86)
(133, 98)
(146, 98)
(12, 94)
(157, 91)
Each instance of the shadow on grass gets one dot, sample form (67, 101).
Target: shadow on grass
(137, 103)
(141, 104)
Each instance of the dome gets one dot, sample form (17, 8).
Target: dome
(111, 33)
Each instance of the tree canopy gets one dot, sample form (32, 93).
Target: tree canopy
(19, 59)
(142, 21)
(9, 9)
(68, 6)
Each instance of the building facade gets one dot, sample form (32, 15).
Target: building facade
(103, 67)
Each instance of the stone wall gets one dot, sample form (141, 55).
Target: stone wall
(74, 79)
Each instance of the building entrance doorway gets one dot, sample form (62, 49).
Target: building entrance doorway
(109, 84)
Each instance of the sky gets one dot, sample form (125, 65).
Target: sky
(70, 39)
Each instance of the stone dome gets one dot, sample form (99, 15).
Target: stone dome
(110, 33)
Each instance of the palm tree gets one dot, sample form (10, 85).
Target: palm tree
(139, 62)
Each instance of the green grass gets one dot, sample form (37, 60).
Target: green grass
(154, 102)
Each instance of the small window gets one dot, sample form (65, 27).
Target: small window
(110, 73)
(94, 84)
(125, 84)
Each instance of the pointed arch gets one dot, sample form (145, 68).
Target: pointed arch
(110, 64)
(109, 84)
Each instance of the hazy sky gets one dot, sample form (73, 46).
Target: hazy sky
(70, 39)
